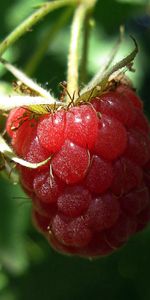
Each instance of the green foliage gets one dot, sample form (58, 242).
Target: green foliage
(29, 268)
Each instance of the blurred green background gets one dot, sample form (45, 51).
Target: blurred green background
(29, 268)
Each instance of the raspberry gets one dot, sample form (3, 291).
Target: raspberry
(138, 148)
(100, 175)
(127, 176)
(74, 201)
(46, 188)
(111, 138)
(117, 106)
(141, 122)
(22, 135)
(134, 202)
(118, 234)
(40, 221)
(71, 163)
(94, 193)
(16, 117)
(79, 121)
(103, 212)
(50, 131)
(71, 232)
(131, 95)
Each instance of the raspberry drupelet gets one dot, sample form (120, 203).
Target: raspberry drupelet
(94, 193)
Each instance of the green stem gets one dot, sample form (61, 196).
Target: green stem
(49, 36)
(32, 20)
(73, 58)
(85, 49)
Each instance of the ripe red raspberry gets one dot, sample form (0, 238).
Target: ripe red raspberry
(94, 192)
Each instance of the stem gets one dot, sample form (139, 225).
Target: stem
(73, 58)
(32, 20)
(85, 49)
(49, 36)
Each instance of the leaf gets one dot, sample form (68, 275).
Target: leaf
(100, 81)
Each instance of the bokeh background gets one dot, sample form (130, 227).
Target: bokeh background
(29, 268)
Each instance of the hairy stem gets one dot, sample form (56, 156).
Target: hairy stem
(85, 48)
(73, 58)
(26, 25)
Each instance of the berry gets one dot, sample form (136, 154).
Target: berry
(50, 131)
(15, 119)
(94, 193)
(74, 201)
(138, 148)
(46, 187)
(72, 232)
(103, 212)
(134, 202)
(100, 175)
(79, 121)
(130, 95)
(40, 221)
(111, 138)
(71, 163)
(118, 234)
(127, 176)
(117, 106)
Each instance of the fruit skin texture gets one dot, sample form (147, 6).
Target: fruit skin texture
(94, 193)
